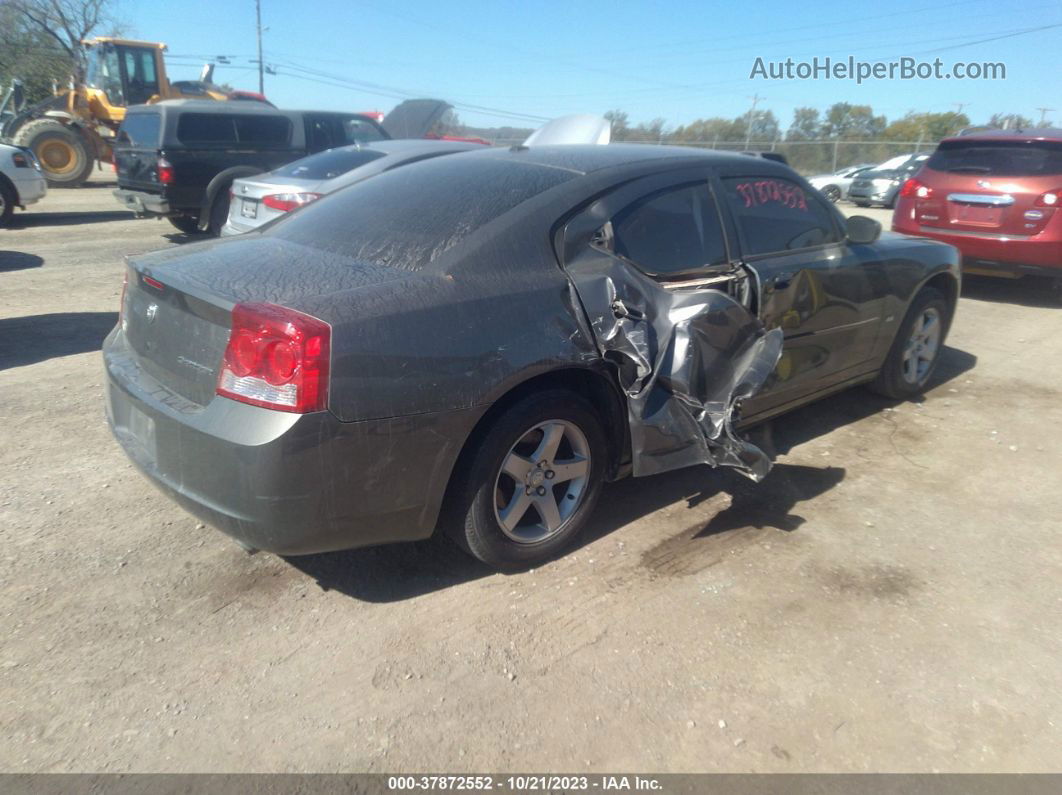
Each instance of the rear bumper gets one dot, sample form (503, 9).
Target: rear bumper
(143, 203)
(994, 255)
(286, 483)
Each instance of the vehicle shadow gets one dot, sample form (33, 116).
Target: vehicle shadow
(180, 238)
(37, 338)
(1031, 291)
(403, 571)
(18, 260)
(33, 220)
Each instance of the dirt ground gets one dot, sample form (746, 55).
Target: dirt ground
(889, 599)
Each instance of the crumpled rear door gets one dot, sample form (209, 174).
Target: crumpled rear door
(686, 356)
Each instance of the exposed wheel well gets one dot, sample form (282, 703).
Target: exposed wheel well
(11, 189)
(948, 285)
(596, 387)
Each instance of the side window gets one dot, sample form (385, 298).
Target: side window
(778, 215)
(321, 133)
(671, 232)
(263, 129)
(359, 131)
(213, 128)
(140, 74)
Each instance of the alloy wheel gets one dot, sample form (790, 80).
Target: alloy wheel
(922, 347)
(542, 481)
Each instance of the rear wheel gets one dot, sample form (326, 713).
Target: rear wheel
(64, 154)
(186, 223)
(916, 350)
(533, 482)
(832, 192)
(219, 212)
(8, 200)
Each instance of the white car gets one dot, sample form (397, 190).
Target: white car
(835, 186)
(21, 181)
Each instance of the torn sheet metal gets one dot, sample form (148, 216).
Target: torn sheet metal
(685, 359)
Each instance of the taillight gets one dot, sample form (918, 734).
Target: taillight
(165, 171)
(276, 358)
(285, 202)
(912, 187)
(1052, 198)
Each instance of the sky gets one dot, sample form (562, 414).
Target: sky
(520, 63)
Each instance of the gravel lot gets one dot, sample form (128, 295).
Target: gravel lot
(890, 598)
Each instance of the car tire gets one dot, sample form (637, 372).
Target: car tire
(832, 193)
(219, 212)
(65, 154)
(8, 200)
(505, 529)
(916, 348)
(185, 223)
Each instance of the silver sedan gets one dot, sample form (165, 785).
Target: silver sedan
(259, 199)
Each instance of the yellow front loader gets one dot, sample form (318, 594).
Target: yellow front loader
(74, 129)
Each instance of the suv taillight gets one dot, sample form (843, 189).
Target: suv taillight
(165, 171)
(276, 358)
(285, 202)
(915, 188)
(1052, 198)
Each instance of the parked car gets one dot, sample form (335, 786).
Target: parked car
(256, 200)
(21, 181)
(881, 184)
(177, 159)
(835, 186)
(997, 197)
(476, 342)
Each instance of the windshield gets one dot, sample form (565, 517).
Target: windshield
(328, 164)
(103, 72)
(408, 217)
(892, 163)
(999, 158)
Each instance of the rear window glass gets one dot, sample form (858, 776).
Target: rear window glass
(330, 164)
(999, 158)
(409, 217)
(218, 128)
(140, 129)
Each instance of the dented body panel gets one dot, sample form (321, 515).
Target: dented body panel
(450, 283)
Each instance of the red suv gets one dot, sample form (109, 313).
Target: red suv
(996, 196)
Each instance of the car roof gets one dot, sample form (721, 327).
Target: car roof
(588, 158)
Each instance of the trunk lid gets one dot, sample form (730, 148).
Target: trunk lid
(177, 311)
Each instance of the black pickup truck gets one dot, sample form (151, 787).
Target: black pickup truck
(178, 158)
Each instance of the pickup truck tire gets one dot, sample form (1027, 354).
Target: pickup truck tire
(219, 212)
(189, 224)
(66, 157)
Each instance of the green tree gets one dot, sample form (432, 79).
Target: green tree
(928, 127)
(64, 24)
(620, 125)
(1009, 121)
(30, 55)
(852, 122)
(805, 126)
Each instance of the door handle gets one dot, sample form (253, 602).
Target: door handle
(782, 280)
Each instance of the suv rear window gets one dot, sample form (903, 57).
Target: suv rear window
(140, 129)
(330, 164)
(217, 128)
(999, 158)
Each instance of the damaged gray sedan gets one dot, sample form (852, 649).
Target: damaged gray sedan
(478, 342)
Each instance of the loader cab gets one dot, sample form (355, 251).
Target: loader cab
(122, 73)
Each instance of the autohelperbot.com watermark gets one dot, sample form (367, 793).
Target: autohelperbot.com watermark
(904, 68)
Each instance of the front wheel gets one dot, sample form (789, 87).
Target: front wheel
(916, 350)
(7, 202)
(832, 192)
(533, 482)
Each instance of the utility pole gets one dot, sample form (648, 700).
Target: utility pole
(261, 63)
(748, 129)
(1043, 114)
